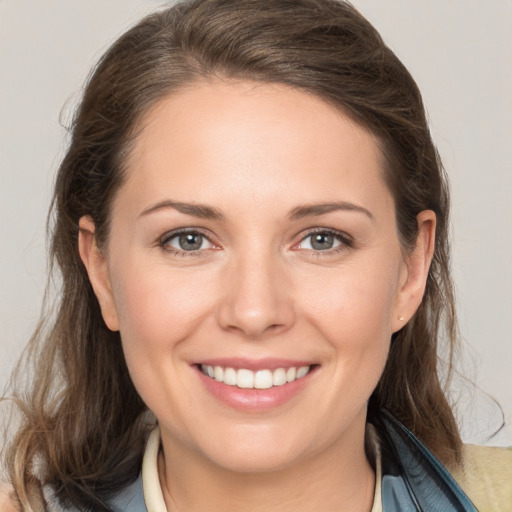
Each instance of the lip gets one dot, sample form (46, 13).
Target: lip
(255, 400)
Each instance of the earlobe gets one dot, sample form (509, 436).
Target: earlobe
(97, 270)
(418, 263)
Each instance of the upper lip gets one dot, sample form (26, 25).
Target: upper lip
(255, 364)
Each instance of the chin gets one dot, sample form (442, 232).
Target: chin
(256, 448)
(258, 460)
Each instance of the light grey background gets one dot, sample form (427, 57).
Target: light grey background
(459, 51)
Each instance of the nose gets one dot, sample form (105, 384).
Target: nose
(257, 299)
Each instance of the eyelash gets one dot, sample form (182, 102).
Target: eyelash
(346, 242)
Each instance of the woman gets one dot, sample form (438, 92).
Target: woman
(251, 228)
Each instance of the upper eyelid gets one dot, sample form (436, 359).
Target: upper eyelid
(331, 231)
(175, 232)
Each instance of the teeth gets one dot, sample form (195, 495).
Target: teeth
(230, 376)
(279, 377)
(218, 372)
(261, 379)
(302, 372)
(244, 378)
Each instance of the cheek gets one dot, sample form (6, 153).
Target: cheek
(353, 311)
(351, 314)
(157, 309)
(354, 305)
(158, 312)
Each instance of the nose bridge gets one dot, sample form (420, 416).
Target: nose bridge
(256, 299)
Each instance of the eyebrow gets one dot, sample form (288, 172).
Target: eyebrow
(313, 210)
(300, 212)
(197, 210)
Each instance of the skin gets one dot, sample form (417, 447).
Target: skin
(7, 503)
(256, 289)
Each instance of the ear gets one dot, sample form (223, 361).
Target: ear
(415, 273)
(97, 270)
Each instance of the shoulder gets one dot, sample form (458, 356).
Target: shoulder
(7, 503)
(486, 477)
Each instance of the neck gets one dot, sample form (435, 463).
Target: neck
(337, 478)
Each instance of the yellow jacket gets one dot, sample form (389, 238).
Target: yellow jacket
(486, 477)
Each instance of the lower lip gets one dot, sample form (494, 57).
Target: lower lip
(255, 400)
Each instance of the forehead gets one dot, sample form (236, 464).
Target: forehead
(268, 141)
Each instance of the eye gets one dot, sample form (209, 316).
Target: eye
(186, 241)
(324, 241)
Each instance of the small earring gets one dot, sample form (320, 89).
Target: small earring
(401, 319)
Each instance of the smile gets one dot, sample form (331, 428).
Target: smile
(260, 379)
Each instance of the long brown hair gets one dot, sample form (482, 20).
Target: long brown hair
(82, 421)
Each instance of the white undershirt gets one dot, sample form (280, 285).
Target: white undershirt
(154, 498)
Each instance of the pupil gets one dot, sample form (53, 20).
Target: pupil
(322, 241)
(191, 241)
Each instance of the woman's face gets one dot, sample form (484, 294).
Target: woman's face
(255, 273)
